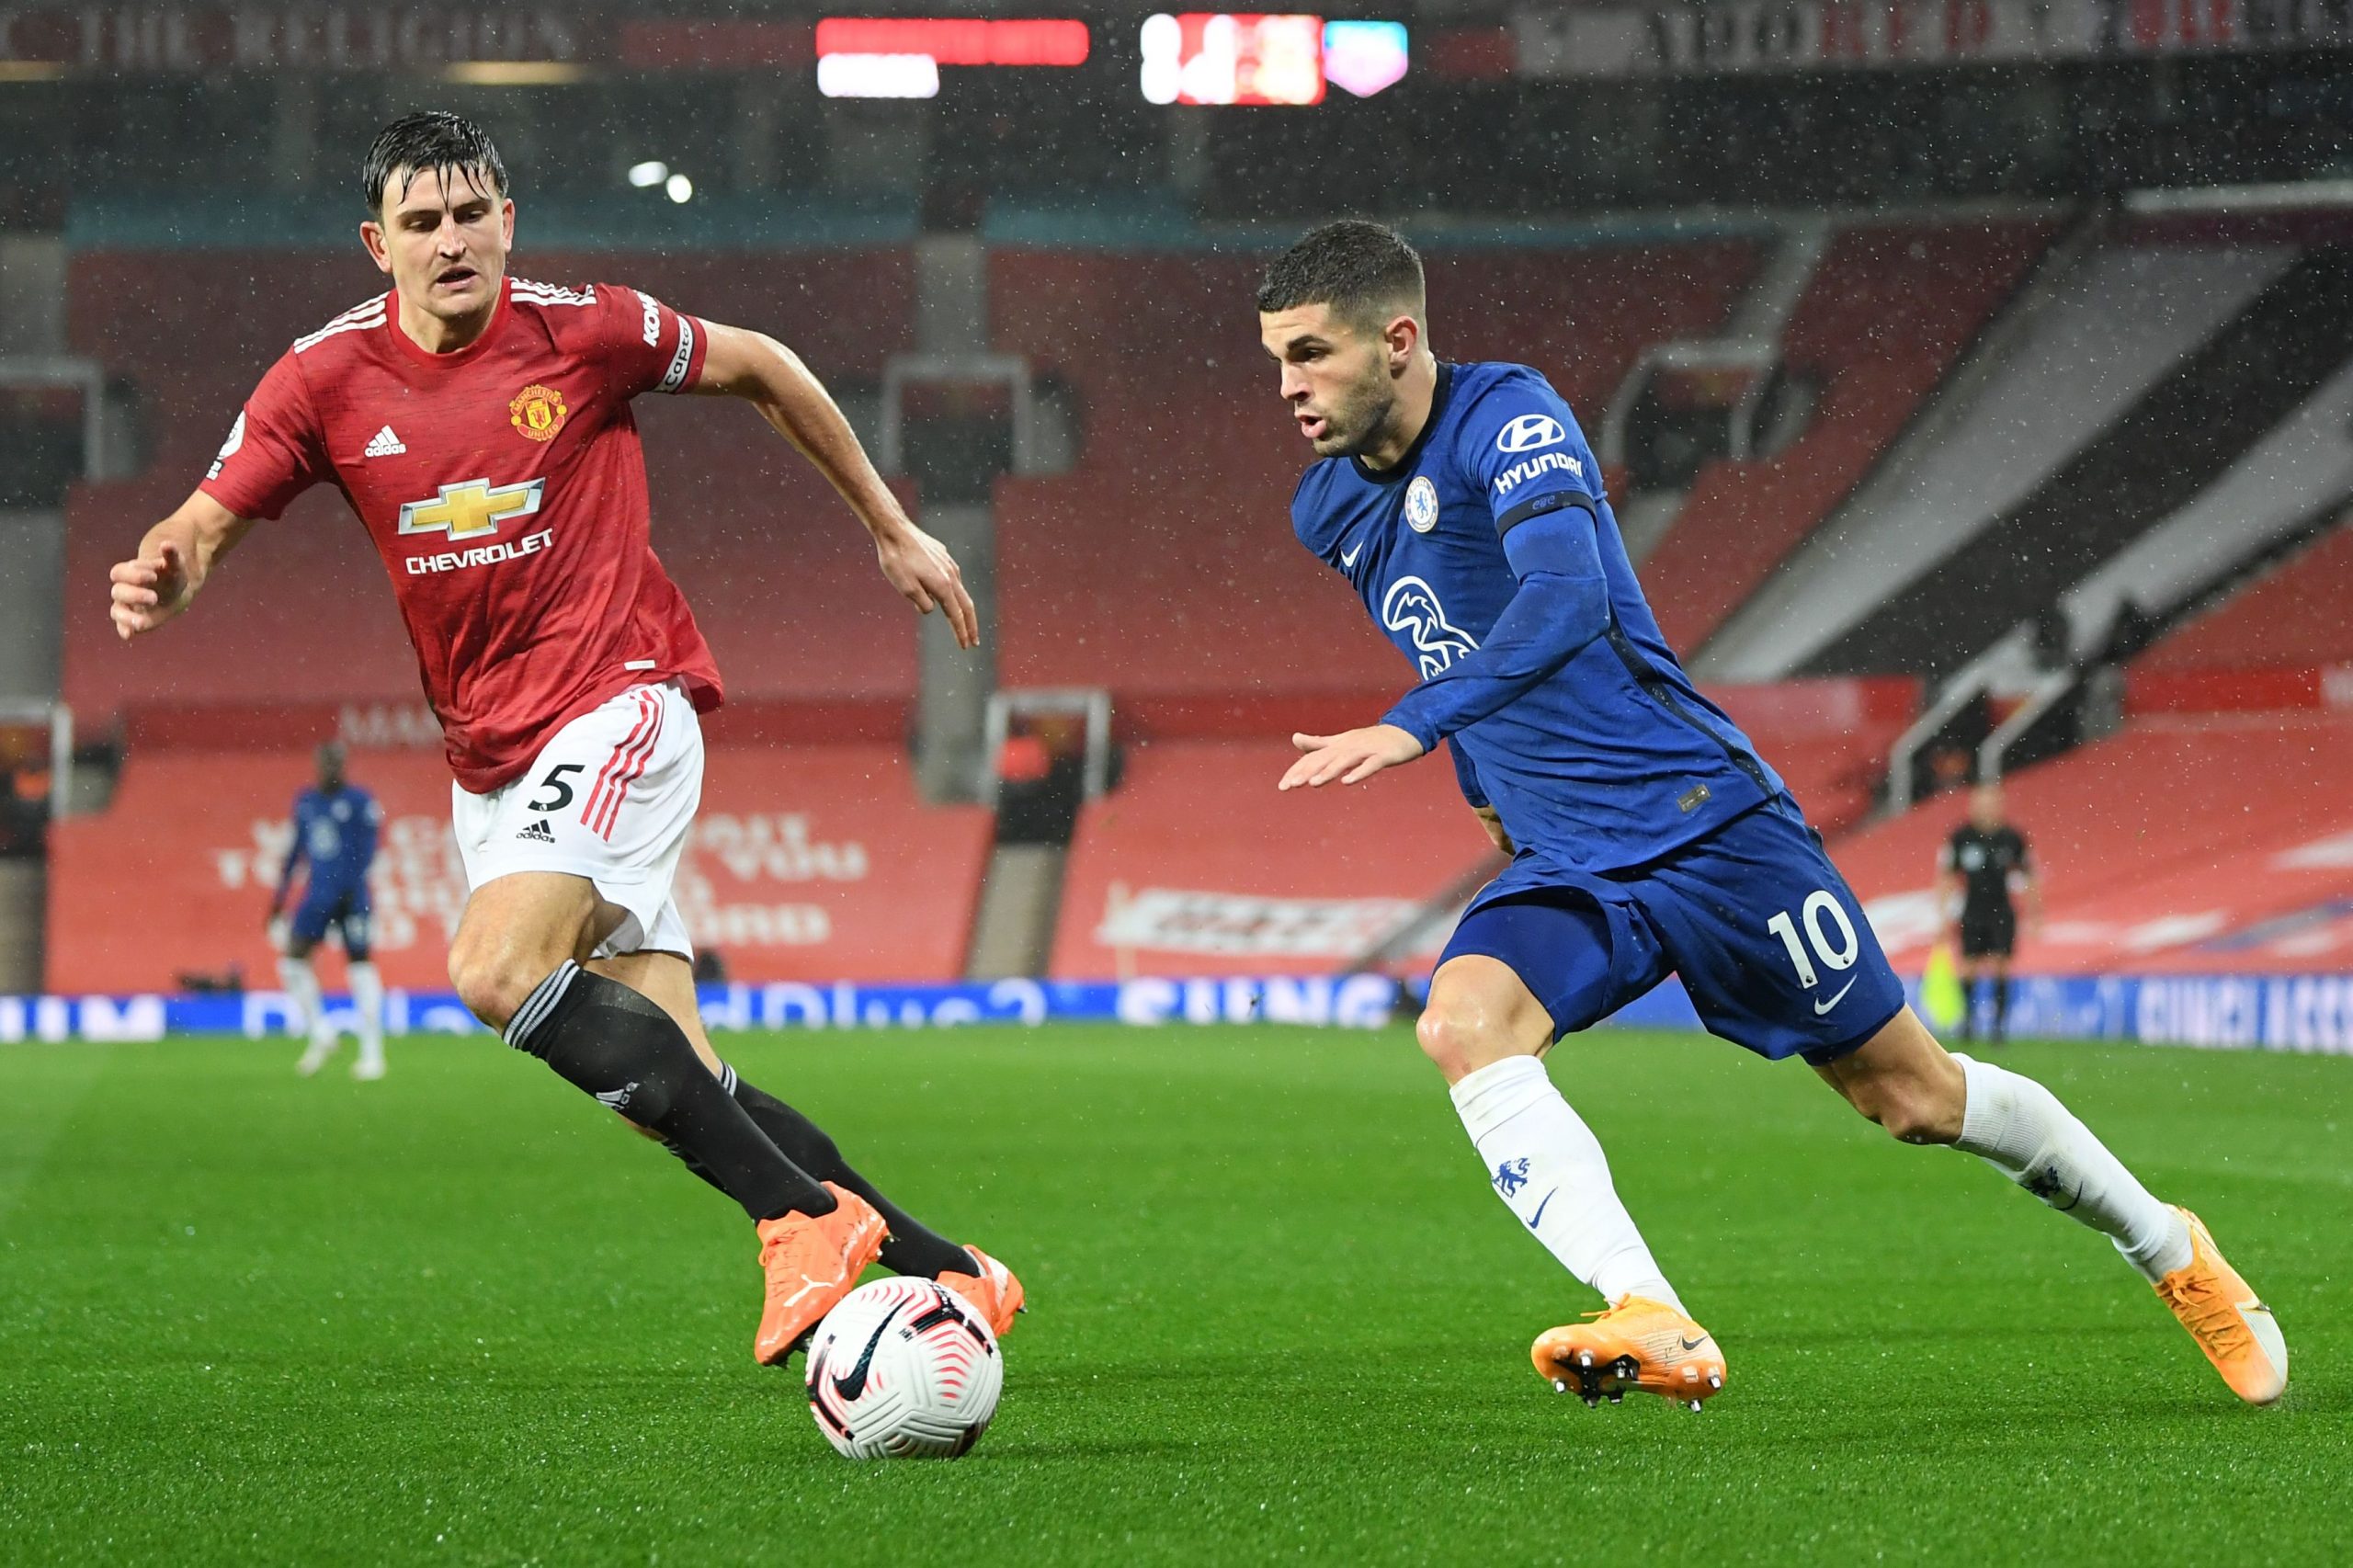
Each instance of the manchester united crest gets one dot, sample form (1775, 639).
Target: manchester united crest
(537, 412)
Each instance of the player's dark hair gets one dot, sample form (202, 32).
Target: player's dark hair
(434, 138)
(1362, 270)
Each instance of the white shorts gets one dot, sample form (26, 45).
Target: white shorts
(609, 798)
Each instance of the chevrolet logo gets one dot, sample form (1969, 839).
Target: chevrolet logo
(471, 509)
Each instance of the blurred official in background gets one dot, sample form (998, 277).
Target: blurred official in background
(1985, 867)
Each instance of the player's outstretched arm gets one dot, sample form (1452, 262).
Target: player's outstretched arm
(174, 559)
(765, 373)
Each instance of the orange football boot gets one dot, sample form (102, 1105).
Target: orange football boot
(812, 1262)
(992, 1289)
(2228, 1319)
(1637, 1344)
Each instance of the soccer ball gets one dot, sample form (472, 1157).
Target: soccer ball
(903, 1368)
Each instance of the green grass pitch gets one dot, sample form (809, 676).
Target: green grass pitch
(460, 1316)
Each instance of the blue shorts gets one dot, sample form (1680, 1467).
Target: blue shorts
(1767, 937)
(346, 909)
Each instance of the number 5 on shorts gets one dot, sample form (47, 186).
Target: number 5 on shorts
(1843, 956)
(554, 781)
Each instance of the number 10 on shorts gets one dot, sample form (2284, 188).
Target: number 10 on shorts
(1818, 905)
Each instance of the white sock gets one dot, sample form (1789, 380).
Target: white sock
(1548, 1169)
(368, 1000)
(2019, 1128)
(301, 983)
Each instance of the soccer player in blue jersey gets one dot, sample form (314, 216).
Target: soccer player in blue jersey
(336, 825)
(1647, 837)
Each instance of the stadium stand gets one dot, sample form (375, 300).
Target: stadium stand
(779, 614)
(2185, 842)
(1889, 310)
(811, 864)
(2210, 411)
(143, 312)
(1162, 566)
(2292, 617)
(1828, 739)
(2085, 347)
(781, 578)
(2294, 482)
(2280, 906)
(1584, 317)
(1197, 865)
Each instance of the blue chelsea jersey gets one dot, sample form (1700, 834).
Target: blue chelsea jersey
(1612, 759)
(337, 834)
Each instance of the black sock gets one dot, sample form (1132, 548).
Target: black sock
(912, 1248)
(1969, 1009)
(2001, 1007)
(616, 1044)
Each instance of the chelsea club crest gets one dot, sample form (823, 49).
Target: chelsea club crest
(1421, 505)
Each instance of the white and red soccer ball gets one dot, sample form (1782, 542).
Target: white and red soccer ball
(903, 1368)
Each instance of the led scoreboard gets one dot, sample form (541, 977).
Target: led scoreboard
(1221, 57)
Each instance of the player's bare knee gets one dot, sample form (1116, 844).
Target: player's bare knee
(1907, 1122)
(480, 987)
(1903, 1080)
(1459, 1041)
(489, 982)
(1911, 1111)
(1440, 1039)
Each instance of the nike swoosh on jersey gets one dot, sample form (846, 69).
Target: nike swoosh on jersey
(1349, 557)
(1821, 1007)
(855, 1385)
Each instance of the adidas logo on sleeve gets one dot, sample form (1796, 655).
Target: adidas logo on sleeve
(384, 445)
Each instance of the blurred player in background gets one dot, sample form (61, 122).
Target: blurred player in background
(336, 825)
(1985, 865)
(1463, 506)
(480, 426)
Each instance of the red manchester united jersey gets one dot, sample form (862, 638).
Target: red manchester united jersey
(504, 487)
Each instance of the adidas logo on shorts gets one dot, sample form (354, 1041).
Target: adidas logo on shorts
(384, 444)
(537, 833)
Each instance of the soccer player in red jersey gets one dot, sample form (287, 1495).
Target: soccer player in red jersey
(480, 426)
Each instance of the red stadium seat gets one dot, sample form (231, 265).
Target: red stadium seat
(811, 864)
(1828, 739)
(1197, 865)
(2221, 842)
(2293, 616)
(781, 577)
(1163, 564)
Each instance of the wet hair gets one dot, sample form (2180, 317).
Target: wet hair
(437, 140)
(1362, 271)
